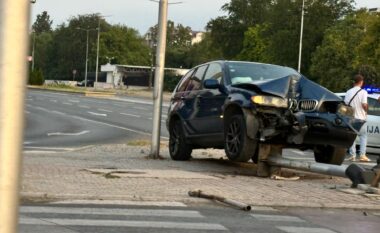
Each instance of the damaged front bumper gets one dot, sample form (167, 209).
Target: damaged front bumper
(324, 129)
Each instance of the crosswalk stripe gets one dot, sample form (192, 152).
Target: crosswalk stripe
(305, 230)
(108, 211)
(127, 223)
(277, 218)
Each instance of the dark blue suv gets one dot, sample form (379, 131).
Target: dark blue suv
(237, 105)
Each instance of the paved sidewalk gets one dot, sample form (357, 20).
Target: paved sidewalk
(121, 172)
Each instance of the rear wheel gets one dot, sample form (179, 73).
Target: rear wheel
(237, 145)
(329, 154)
(178, 148)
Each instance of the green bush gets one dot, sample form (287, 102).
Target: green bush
(170, 81)
(36, 78)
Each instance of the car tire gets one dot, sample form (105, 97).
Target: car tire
(178, 148)
(329, 154)
(237, 145)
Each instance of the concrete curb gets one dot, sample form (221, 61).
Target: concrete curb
(99, 94)
(45, 197)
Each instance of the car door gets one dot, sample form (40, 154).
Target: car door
(373, 123)
(190, 109)
(210, 101)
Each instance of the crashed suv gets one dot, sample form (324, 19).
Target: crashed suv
(238, 105)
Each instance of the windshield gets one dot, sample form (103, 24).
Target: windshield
(244, 72)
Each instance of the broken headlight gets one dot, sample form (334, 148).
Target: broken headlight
(345, 110)
(270, 101)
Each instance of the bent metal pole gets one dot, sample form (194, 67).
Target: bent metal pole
(159, 79)
(14, 22)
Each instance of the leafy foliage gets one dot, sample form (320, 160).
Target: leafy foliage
(42, 23)
(36, 78)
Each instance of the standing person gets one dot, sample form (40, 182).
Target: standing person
(356, 97)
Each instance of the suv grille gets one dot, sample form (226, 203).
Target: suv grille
(307, 105)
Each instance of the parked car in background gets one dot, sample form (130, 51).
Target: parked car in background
(238, 105)
(90, 83)
(373, 122)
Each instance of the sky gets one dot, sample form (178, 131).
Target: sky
(142, 14)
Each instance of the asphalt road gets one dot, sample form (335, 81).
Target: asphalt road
(57, 121)
(166, 218)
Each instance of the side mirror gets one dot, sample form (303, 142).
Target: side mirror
(211, 84)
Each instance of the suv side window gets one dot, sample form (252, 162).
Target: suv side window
(373, 107)
(185, 80)
(196, 79)
(214, 71)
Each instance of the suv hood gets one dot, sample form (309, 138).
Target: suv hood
(298, 87)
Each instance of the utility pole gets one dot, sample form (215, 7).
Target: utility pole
(301, 35)
(14, 48)
(159, 79)
(33, 48)
(97, 55)
(86, 67)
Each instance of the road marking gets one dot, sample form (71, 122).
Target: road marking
(113, 211)
(55, 101)
(56, 112)
(29, 99)
(98, 114)
(99, 122)
(132, 115)
(27, 143)
(74, 101)
(26, 112)
(65, 103)
(129, 203)
(83, 106)
(68, 134)
(305, 230)
(275, 218)
(104, 110)
(140, 108)
(126, 223)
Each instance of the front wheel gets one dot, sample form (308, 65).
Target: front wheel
(178, 148)
(329, 154)
(237, 145)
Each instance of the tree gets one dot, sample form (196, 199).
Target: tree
(349, 47)
(178, 43)
(202, 52)
(42, 23)
(125, 45)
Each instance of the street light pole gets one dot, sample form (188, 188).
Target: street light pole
(159, 78)
(97, 55)
(33, 49)
(14, 48)
(85, 74)
(301, 35)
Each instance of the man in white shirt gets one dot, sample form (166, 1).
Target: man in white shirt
(356, 97)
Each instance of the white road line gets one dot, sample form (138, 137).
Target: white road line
(101, 123)
(129, 203)
(54, 101)
(56, 112)
(65, 103)
(83, 106)
(121, 223)
(132, 115)
(27, 143)
(29, 99)
(26, 112)
(113, 211)
(74, 101)
(68, 134)
(304, 229)
(98, 114)
(140, 108)
(104, 110)
(277, 218)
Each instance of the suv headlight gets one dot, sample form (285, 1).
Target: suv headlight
(270, 101)
(345, 110)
